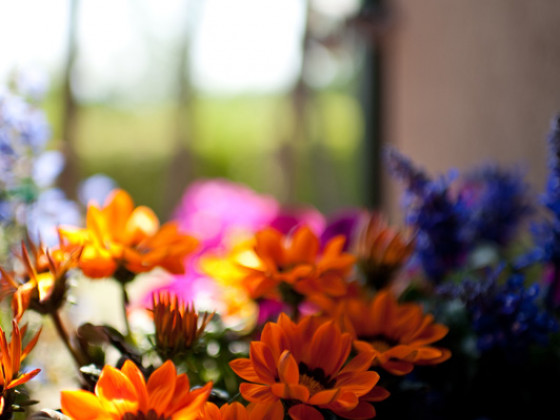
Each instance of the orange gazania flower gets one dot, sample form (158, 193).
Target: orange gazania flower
(381, 250)
(125, 395)
(306, 366)
(11, 356)
(122, 239)
(297, 262)
(237, 411)
(41, 286)
(398, 335)
(178, 325)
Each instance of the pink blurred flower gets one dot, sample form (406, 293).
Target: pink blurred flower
(212, 209)
(220, 214)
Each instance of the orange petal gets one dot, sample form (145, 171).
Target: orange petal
(117, 209)
(359, 383)
(323, 397)
(345, 401)
(142, 223)
(257, 393)
(82, 405)
(15, 350)
(305, 246)
(137, 379)
(270, 411)
(288, 370)
(235, 411)
(195, 403)
(23, 378)
(115, 387)
(445, 354)
(397, 367)
(263, 362)
(181, 396)
(334, 246)
(363, 411)
(45, 285)
(290, 391)
(244, 368)
(430, 335)
(382, 309)
(211, 411)
(161, 386)
(377, 393)
(332, 283)
(402, 352)
(329, 348)
(97, 262)
(273, 335)
(304, 412)
(30, 345)
(268, 245)
(362, 361)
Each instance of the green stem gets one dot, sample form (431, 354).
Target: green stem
(125, 302)
(63, 334)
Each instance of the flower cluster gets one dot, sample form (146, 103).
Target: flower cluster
(241, 308)
(329, 348)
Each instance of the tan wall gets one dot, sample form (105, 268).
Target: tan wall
(471, 80)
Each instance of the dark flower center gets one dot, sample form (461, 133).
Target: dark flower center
(314, 379)
(150, 415)
(380, 342)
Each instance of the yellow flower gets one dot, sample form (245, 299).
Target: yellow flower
(122, 240)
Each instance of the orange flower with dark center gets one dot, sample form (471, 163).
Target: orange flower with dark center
(42, 285)
(178, 325)
(398, 335)
(122, 240)
(297, 264)
(237, 411)
(125, 395)
(11, 356)
(307, 366)
(382, 250)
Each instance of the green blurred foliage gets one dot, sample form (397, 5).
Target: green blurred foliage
(242, 138)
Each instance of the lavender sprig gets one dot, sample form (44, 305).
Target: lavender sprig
(437, 219)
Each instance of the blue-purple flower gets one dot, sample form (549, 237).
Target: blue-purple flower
(495, 201)
(435, 215)
(506, 314)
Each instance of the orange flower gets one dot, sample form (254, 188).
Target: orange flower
(297, 262)
(306, 366)
(399, 335)
(382, 250)
(124, 394)
(237, 411)
(42, 284)
(11, 356)
(177, 325)
(122, 240)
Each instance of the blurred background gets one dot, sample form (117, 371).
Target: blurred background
(294, 98)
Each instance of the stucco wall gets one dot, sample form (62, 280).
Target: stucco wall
(471, 80)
